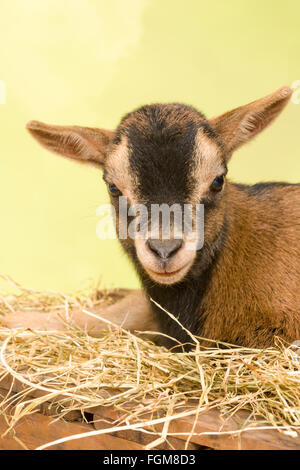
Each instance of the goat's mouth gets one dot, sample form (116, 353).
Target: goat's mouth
(166, 273)
(169, 277)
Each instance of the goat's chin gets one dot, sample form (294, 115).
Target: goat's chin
(168, 278)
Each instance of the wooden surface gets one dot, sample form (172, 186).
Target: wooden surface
(211, 422)
(37, 429)
(40, 428)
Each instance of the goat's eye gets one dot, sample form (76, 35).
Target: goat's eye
(217, 183)
(114, 190)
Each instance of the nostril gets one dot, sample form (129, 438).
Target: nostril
(164, 248)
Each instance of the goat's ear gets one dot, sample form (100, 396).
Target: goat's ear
(83, 144)
(242, 124)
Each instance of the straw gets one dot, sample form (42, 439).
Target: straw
(148, 383)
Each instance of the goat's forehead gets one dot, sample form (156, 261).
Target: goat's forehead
(161, 151)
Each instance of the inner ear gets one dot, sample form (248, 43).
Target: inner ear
(84, 144)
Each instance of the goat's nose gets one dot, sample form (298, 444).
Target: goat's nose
(164, 248)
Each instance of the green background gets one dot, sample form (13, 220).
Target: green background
(89, 62)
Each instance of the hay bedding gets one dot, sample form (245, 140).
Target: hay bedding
(148, 383)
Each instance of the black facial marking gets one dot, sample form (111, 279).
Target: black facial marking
(161, 156)
(161, 140)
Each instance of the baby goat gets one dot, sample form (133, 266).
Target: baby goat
(243, 285)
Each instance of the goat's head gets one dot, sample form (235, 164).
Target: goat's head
(165, 154)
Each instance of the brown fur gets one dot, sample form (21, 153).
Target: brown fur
(254, 293)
